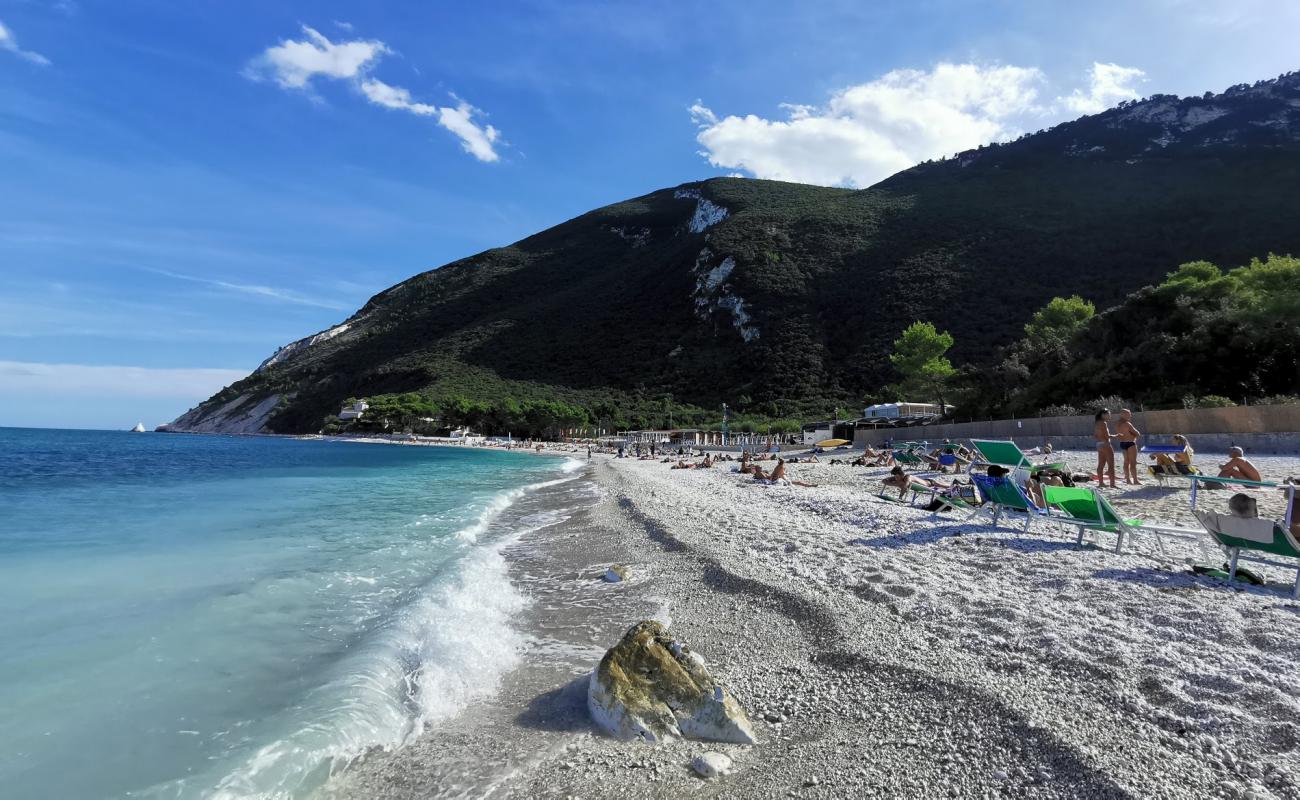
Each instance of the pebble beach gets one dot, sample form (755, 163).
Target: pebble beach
(882, 650)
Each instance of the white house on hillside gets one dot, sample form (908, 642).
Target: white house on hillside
(354, 411)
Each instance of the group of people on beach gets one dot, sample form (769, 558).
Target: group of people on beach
(1126, 436)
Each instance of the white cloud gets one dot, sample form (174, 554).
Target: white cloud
(268, 292)
(382, 94)
(1108, 84)
(476, 140)
(9, 43)
(870, 131)
(293, 65)
(31, 378)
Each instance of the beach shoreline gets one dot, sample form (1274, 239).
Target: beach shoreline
(880, 650)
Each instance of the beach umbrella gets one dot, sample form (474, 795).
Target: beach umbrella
(833, 442)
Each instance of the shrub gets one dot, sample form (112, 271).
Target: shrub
(1208, 401)
(1279, 400)
(1059, 410)
(1113, 402)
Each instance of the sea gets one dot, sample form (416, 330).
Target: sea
(188, 616)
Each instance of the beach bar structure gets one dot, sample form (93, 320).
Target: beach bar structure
(814, 432)
(903, 409)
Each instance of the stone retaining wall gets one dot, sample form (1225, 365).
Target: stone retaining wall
(1258, 429)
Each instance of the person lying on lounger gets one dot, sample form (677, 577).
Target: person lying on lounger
(900, 479)
(873, 458)
(1179, 463)
(1238, 467)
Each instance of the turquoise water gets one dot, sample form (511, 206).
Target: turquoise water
(186, 616)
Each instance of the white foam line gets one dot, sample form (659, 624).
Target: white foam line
(460, 635)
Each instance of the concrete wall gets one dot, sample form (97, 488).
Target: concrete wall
(1258, 429)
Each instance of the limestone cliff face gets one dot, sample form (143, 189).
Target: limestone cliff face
(250, 411)
(247, 413)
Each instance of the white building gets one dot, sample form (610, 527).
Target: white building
(902, 409)
(354, 411)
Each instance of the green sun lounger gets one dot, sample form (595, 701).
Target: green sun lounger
(1252, 539)
(1089, 510)
(1003, 494)
(953, 503)
(907, 458)
(1006, 454)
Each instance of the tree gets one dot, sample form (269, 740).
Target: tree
(919, 360)
(1054, 324)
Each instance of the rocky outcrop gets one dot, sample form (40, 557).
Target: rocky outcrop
(294, 348)
(651, 687)
(245, 414)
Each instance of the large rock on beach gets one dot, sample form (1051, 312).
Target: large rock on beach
(650, 686)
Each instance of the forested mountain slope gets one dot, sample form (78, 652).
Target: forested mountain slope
(782, 298)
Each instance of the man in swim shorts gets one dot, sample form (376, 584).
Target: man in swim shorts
(1128, 436)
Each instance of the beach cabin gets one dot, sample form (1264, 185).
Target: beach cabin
(354, 411)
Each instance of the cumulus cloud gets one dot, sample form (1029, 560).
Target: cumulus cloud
(867, 132)
(1108, 84)
(32, 378)
(478, 141)
(9, 43)
(294, 64)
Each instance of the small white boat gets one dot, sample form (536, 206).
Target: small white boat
(139, 428)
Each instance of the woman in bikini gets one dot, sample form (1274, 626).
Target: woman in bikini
(1105, 452)
(1179, 463)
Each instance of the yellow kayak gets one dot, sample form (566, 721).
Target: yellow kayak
(833, 443)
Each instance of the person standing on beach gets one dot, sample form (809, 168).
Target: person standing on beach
(1105, 452)
(1128, 436)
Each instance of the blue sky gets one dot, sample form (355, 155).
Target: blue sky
(186, 186)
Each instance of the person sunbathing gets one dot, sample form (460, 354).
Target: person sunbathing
(777, 475)
(900, 479)
(1038, 480)
(1238, 467)
(1179, 463)
(682, 465)
(873, 458)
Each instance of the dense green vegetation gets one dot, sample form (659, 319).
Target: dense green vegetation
(611, 320)
(1204, 337)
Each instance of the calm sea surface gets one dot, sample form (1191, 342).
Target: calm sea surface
(205, 616)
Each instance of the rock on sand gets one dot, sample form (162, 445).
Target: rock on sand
(711, 765)
(651, 687)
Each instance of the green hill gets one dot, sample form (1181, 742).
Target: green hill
(783, 299)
